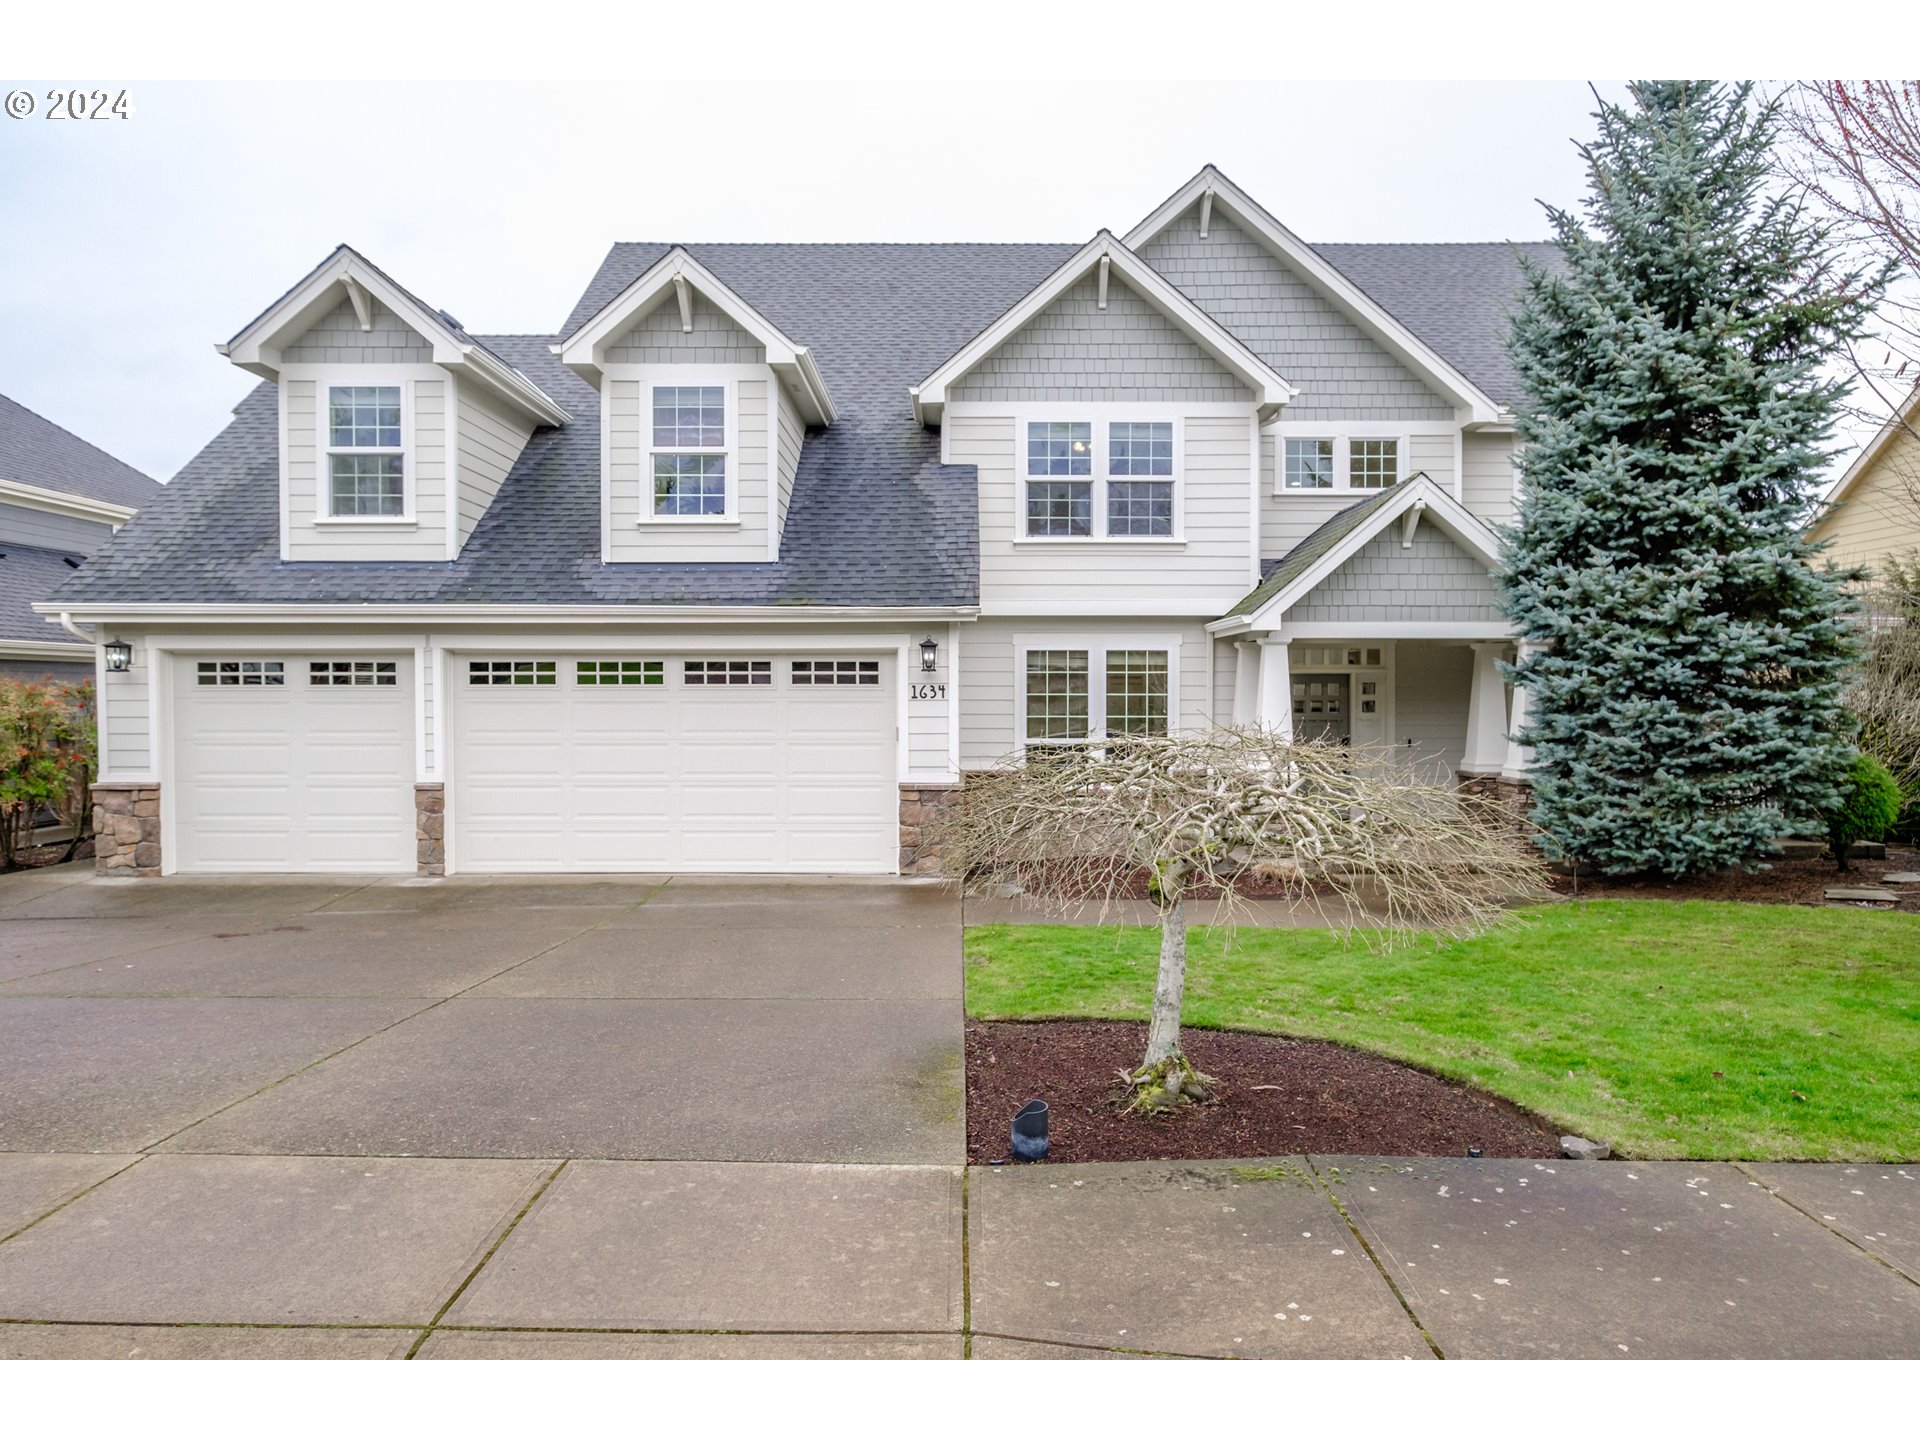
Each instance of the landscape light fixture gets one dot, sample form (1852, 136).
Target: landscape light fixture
(929, 650)
(119, 656)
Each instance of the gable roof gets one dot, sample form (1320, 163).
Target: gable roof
(29, 574)
(35, 452)
(584, 350)
(346, 272)
(1905, 417)
(875, 518)
(1336, 541)
(1104, 253)
(1212, 189)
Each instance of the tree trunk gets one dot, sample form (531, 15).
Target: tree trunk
(1169, 992)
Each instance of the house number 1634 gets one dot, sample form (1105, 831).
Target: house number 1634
(927, 692)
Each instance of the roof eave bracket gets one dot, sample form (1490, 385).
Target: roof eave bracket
(362, 302)
(684, 294)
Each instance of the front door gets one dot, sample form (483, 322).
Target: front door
(1321, 708)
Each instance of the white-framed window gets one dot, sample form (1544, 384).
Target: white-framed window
(513, 672)
(366, 464)
(240, 672)
(1338, 460)
(338, 673)
(727, 672)
(689, 472)
(836, 672)
(620, 672)
(1100, 479)
(1075, 694)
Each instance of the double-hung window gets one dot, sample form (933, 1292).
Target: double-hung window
(1081, 696)
(689, 453)
(1340, 462)
(366, 453)
(1088, 480)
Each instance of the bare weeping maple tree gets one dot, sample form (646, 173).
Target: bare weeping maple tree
(1349, 834)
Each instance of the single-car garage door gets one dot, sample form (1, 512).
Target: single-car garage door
(293, 763)
(660, 763)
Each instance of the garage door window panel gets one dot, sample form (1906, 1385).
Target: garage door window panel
(240, 672)
(513, 672)
(621, 672)
(836, 672)
(330, 674)
(728, 672)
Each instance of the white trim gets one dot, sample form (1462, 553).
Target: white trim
(422, 720)
(953, 699)
(1453, 519)
(66, 503)
(1270, 390)
(1097, 648)
(1253, 511)
(1343, 433)
(584, 351)
(1184, 607)
(1403, 630)
(257, 349)
(1373, 319)
(530, 615)
(1904, 417)
(455, 540)
(63, 650)
(1101, 417)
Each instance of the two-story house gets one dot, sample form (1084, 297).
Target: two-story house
(750, 563)
(60, 500)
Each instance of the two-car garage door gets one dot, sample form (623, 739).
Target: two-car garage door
(729, 763)
(726, 763)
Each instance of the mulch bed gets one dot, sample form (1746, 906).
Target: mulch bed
(1325, 1099)
(1783, 882)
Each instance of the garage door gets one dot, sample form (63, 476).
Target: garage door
(691, 763)
(292, 763)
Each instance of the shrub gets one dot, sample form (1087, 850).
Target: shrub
(47, 758)
(1869, 805)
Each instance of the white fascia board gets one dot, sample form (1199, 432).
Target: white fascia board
(535, 615)
(1271, 390)
(1870, 453)
(1438, 505)
(62, 502)
(584, 351)
(1366, 312)
(44, 650)
(257, 349)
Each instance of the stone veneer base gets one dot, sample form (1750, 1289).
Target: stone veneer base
(430, 829)
(126, 828)
(920, 806)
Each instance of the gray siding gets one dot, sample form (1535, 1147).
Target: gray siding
(1431, 687)
(989, 686)
(658, 339)
(490, 438)
(310, 538)
(337, 339)
(790, 438)
(60, 672)
(1075, 351)
(1342, 372)
(1213, 565)
(126, 703)
(629, 487)
(1487, 476)
(21, 525)
(1434, 580)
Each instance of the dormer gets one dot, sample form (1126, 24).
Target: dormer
(397, 427)
(704, 407)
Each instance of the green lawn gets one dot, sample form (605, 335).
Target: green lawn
(1608, 1017)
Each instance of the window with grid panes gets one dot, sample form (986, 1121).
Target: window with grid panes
(1309, 464)
(1140, 477)
(1136, 692)
(1058, 695)
(513, 672)
(366, 457)
(689, 450)
(240, 672)
(836, 672)
(353, 672)
(1372, 464)
(728, 672)
(620, 672)
(1060, 477)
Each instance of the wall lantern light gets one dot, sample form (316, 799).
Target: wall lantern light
(929, 651)
(119, 655)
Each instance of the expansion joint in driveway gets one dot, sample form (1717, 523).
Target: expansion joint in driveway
(81, 1195)
(1800, 1209)
(492, 1250)
(1367, 1250)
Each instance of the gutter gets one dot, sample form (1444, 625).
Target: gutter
(782, 615)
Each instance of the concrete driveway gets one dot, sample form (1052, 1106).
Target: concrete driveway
(629, 1018)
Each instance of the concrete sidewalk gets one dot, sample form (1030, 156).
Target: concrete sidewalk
(177, 1255)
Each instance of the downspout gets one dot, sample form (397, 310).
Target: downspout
(66, 624)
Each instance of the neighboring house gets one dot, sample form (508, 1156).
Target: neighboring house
(60, 500)
(1873, 510)
(745, 567)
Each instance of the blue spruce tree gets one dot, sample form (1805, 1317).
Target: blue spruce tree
(1689, 648)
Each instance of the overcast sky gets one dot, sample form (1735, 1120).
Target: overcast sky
(132, 247)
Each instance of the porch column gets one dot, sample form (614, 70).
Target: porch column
(1486, 749)
(1276, 688)
(1519, 757)
(1246, 682)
